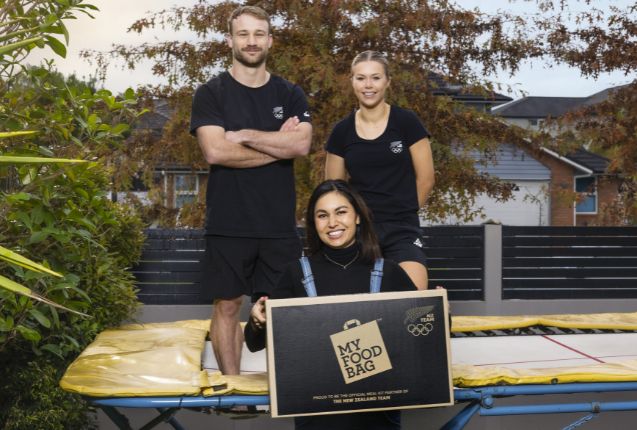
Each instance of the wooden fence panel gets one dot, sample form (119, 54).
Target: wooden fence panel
(537, 263)
(169, 270)
(455, 258)
(569, 262)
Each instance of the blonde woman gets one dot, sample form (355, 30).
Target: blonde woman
(385, 152)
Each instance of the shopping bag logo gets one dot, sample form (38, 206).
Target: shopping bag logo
(360, 350)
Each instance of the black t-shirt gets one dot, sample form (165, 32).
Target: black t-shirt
(381, 170)
(257, 201)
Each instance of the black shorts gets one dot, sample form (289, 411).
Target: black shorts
(236, 266)
(401, 242)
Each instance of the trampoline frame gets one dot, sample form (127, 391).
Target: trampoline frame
(481, 401)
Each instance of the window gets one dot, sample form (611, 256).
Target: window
(186, 189)
(586, 187)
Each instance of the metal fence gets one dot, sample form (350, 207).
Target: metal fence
(489, 263)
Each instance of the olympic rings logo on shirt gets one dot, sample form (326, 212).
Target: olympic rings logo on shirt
(420, 329)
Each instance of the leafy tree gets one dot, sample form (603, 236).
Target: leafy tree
(58, 213)
(597, 43)
(316, 40)
(26, 26)
(608, 128)
(314, 43)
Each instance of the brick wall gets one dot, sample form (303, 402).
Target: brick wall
(561, 189)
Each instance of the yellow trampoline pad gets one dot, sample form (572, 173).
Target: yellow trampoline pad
(165, 359)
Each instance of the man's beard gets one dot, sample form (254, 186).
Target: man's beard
(253, 61)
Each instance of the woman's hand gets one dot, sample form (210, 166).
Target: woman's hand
(257, 314)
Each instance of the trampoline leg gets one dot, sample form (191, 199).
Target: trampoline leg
(166, 415)
(173, 421)
(117, 417)
(463, 417)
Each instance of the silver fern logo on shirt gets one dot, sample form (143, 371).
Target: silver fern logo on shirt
(396, 147)
(278, 112)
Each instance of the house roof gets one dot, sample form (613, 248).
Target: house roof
(440, 87)
(543, 107)
(514, 164)
(594, 162)
(538, 107)
(602, 95)
(156, 118)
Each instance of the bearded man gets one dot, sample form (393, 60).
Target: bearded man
(250, 125)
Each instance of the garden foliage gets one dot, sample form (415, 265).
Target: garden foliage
(58, 214)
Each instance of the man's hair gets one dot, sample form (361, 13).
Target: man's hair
(254, 11)
(365, 236)
(379, 57)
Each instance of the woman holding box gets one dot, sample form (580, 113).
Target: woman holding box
(343, 253)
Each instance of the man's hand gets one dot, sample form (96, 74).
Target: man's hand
(290, 124)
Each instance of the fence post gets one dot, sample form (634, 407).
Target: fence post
(493, 267)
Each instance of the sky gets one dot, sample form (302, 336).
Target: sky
(115, 16)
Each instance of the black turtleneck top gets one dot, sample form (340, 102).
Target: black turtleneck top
(331, 278)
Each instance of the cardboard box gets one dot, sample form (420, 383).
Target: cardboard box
(360, 352)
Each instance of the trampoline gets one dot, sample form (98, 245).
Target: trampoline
(169, 367)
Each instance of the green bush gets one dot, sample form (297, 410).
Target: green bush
(58, 215)
(40, 404)
(65, 220)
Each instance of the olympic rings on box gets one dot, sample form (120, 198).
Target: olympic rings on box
(420, 329)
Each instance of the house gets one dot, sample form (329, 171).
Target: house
(178, 184)
(545, 186)
(551, 189)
